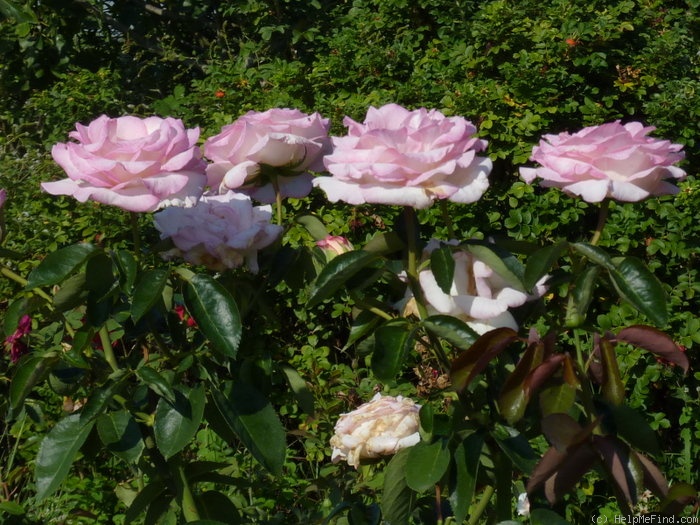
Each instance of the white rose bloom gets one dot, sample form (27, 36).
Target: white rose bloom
(381, 427)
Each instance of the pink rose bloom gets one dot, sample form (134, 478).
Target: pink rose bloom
(408, 158)
(609, 161)
(478, 295)
(222, 231)
(334, 245)
(136, 164)
(381, 427)
(284, 143)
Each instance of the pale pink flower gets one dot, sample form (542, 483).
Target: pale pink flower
(221, 232)
(380, 427)
(608, 161)
(334, 245)
(284, 144)
(409, 158)
(137, 164)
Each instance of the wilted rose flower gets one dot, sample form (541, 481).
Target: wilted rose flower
(478, 296)
(15, 342)
(381, 427)
(280, 143)
(334, 245)
(137, 164)
(222, 231)
(612, 160)
(409, 158)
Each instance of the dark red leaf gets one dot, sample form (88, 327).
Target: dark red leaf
(542, 372)
(656, 342)
(653, 478)
(622, 465)
(576, 464)
(474, 360)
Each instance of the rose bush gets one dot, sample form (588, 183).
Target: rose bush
(613, 160)
(280, 143)
(478, 296)
(409, 158)
(222, 231)
(137, 164)
(381, 427)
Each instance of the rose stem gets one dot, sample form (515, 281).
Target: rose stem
(107, 348)
(602, 218)
(412, 261)
(135, 233)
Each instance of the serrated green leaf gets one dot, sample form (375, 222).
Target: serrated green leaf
(216, 313)
(638, 286)
(453, 330)
(247, 413)
(442, 264)
(541, 262)
(177, 423)
(594, 254)
(148, 292)
(337, 272)
(466, 460)
(426, 464)
(31, 370)
(121, 435)
(156, 382)
(60, 264)
(397, 498)
(57, 452)
(392, 342)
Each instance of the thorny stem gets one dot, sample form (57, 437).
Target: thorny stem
(4, 270)
(135, 233)
(412, 258)
(447, 219)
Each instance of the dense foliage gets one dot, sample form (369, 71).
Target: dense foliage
(170, 410)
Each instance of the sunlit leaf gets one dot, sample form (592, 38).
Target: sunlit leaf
(177, 423)
(466, 461)
(542, 261)
(397, 498)
(426, 464)
(638, 286)
(148, 292)
(443, 267)
(453, 330)
(337, 272)
(393, 340)
(121, 435)
(60, 264)
(474, 360)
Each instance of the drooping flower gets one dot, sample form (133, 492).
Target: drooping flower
(409, 158)
(261, 151)
(137, 164)
(221, 232)
(15, 342)
(381, 427)
(608, 161)
(479, 296)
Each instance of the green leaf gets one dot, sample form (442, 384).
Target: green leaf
(392, 342)
(99, 275)
(557, 398)
(304, 396)
(638, 286)
(542, 261)
(546, 517)
(466, 461)
(516, 447)
(612, 387)
(383, 243)
(503, 263)
(148, 292)
(594, 254)
(60, 264)
(100, 398)
(127, 268)
(216, 313)
(57, 452)
(31, 370)
(581, 296)
(156, 382)
(426, 464)
(121, 435)
(443, 267)
(337, 272)
(177, 423)
(20, 13)
(634, 429)
(72, 293)
(453, 330)
(150, 495)
(12, 508)
(397, 498)
(250, 416)
(313, 225)
(515, 395)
